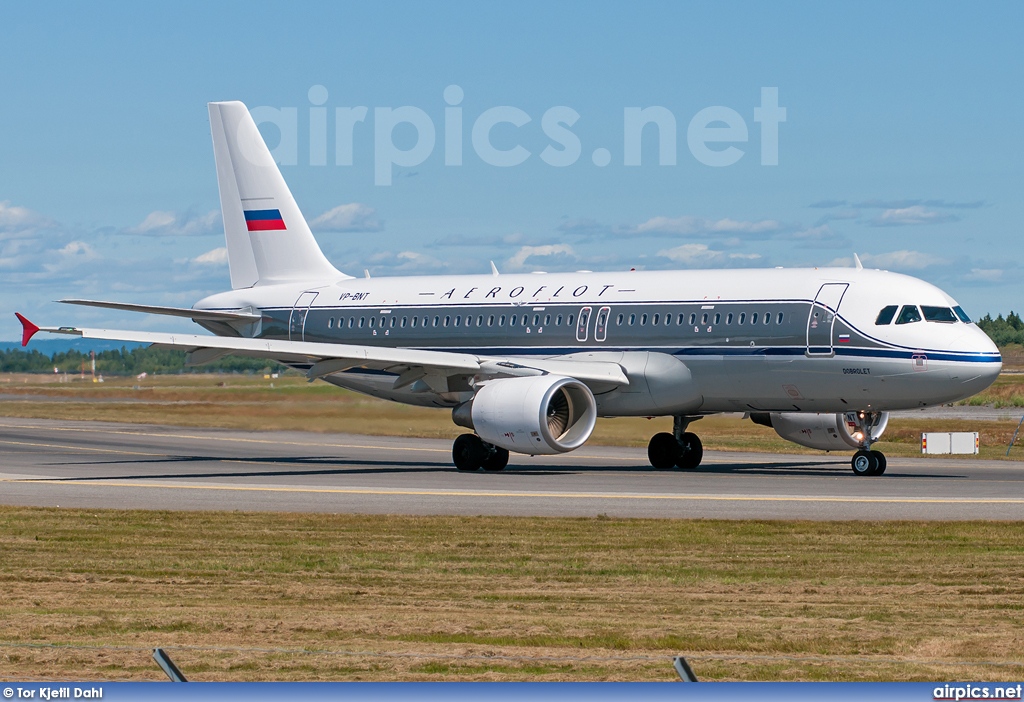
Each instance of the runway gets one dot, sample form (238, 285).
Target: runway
(99, 465)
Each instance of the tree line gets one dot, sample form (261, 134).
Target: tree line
(127, 362)
(1003, 331)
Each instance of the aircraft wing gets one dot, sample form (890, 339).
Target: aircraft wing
(409, 364)
(214, 315)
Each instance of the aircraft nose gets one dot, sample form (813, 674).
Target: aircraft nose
(987, 369)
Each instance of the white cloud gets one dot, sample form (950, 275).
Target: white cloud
(702, 255)
(539, 255)
(689, 226)
(910, 216)
(16, 221)
(353, 217)
(215, 257)
(898, 260)
(984, 275)
(164, 223)
(72, 254)
(388, 262)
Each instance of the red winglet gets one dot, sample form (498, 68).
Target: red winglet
(28, 329)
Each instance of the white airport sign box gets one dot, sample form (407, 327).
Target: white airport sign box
(936, 442)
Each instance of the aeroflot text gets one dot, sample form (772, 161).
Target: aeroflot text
(977, 692)
(711, 134)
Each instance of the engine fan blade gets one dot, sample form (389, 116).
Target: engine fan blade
(558, 414)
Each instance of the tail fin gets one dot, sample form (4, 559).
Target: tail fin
(267, 237)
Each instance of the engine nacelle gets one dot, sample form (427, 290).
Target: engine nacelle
(536, 415)
(828, 432)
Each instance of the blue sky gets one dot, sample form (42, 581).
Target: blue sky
(901, 142)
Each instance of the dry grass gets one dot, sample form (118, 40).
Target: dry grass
(889, 601)
(290, 403)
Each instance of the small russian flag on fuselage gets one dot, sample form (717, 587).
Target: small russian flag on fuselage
(264, 220)
(844, 338)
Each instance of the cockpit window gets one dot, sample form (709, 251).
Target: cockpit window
(908, 314)
(961, 314)
(938, 314)
(886, 315)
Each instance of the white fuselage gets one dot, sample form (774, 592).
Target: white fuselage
(785, 340)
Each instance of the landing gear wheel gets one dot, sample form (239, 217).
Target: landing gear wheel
(663, 451)
(691, 451)
(880, 457)
(496, 459)
(865, 463)
(469, 452)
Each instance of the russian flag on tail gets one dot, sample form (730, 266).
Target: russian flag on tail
(264, 220)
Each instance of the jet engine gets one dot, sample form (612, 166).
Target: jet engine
(536, 415)
(828, 432)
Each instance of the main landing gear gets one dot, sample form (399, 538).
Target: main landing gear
(680, 448)
(470, 452)
(867, 462)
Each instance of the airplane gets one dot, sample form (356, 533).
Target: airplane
(528, 362)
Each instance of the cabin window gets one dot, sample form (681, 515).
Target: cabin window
(728, 318)
(657, 318)
(693, 318)
(547, 320)
(437, 320)
(536, 319)
(778, 320)
(414, 320)
(513, 320)
(886, 315)
(458, 321)
(908, 314)
(568, 320)
(938, 314)
(681, 318)
(632, 319)
(393, 320)
(351, 322)
(447, 320)
(618, 320)
(668, 319)
(373, 322)
(718, 317)
(704, 318)
(480, 321)
(643, 320)
(961, 314)
(330, 323)
(558, 321)
(743, 317)
(490, 321)
(405, 320)
(753, 317)
(361, 321)
(501, 321)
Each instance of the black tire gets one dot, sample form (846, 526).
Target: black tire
(864, 463)
(880, 457)
(691, 452)
(663, 451)
(496, 460)
(468, 452)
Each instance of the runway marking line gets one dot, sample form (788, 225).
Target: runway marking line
(552, 495)
(269, 441)
(80, 448)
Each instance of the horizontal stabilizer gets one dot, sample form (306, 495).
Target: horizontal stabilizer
(214, 315)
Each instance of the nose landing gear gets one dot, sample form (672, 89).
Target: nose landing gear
(867, 461)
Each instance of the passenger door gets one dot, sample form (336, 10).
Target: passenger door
(822, 318)
(297, 320)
